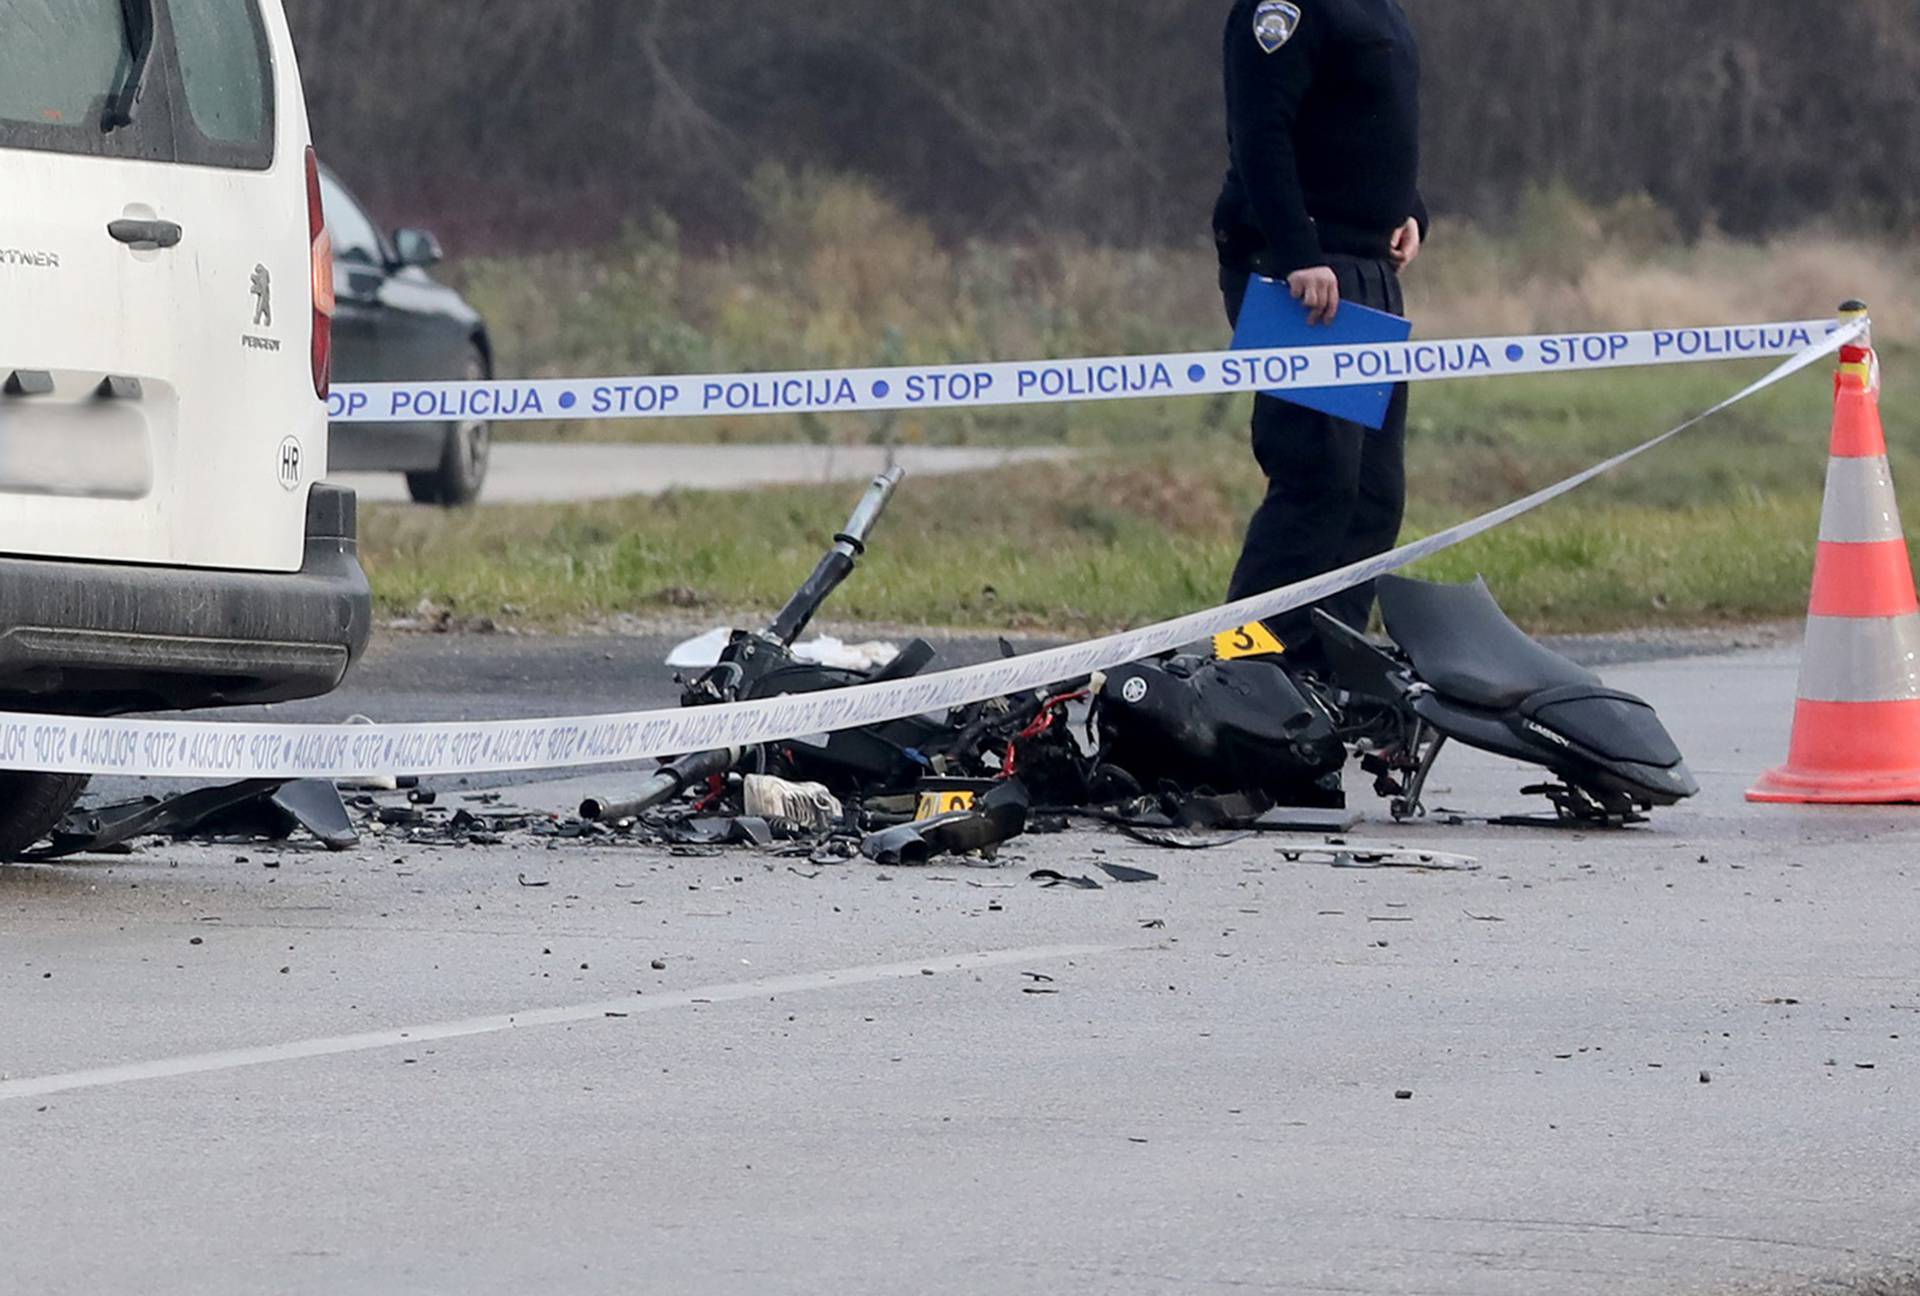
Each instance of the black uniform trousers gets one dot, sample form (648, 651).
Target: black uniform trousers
(1336, 491)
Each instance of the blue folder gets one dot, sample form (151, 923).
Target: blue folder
(1271, 318)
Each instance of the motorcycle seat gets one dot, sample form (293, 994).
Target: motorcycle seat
(1465, 647)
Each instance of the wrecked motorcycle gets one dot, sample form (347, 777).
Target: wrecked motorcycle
(1461, 671)
(1198, 733)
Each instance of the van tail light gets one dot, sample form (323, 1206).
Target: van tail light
(323, 303)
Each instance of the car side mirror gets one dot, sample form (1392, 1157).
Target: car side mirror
(417, 248)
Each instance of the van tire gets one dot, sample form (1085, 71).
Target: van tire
(31, 805)
(462, 472)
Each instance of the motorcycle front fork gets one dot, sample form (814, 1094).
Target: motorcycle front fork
(1401, 773)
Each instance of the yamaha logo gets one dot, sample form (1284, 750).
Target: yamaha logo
(1134, 691)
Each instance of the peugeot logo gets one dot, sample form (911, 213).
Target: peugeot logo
(262, 297)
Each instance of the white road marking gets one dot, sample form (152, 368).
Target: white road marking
(629, 1007)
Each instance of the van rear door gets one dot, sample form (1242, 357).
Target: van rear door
(155, 286)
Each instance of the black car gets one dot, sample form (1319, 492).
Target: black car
(396, 323)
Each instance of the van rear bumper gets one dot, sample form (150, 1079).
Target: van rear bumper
(103, 639)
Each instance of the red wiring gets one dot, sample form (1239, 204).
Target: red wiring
(1049, 712)
(716, 792)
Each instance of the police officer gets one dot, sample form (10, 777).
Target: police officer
(1323, 123)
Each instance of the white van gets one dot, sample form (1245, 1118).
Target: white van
(166, 295)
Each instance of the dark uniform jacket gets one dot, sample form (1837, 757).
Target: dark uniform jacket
(1323, 125)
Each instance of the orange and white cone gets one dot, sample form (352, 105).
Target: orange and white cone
(1856, 729)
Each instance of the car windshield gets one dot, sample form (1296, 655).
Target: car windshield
(60, 60)
(354, 236)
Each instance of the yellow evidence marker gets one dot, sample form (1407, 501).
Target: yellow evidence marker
(1248, 641)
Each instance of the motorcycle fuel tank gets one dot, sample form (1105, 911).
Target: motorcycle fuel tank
(1221, 726)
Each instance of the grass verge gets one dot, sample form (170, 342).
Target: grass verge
(1717, 528)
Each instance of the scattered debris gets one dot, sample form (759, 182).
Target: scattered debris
(809, 806)
(704, 652)
(1050, 878)
(701, 652)
(316, 806)
(999, 817)
(1181, 839)
(1341, 856)
(257, 809)
(1122, 873)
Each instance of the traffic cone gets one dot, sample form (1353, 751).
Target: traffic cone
(1856, 728)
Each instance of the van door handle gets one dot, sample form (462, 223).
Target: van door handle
(146, 233)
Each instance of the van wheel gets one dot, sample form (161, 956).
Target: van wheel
(463, 462)
(30, 806)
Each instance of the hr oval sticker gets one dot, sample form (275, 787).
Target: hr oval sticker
(292, 464)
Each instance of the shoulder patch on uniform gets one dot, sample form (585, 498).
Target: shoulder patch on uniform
(1274, 23)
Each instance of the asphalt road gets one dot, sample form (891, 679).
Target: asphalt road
(1682, 1058)
(551, 473)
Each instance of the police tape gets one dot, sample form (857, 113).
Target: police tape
(211, 750)
(1045, 382)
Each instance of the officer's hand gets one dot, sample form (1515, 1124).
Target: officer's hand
(1319, 288)
(1405, 249)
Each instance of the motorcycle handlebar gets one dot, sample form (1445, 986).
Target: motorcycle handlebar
(872, 505)
(839, 562)
(667, 783)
